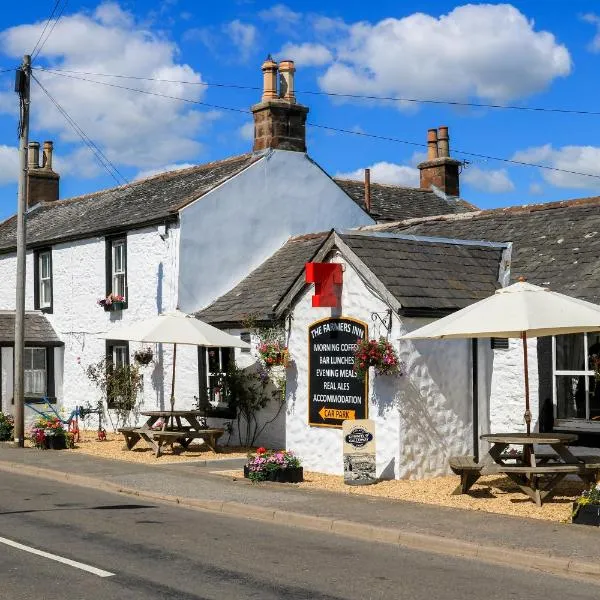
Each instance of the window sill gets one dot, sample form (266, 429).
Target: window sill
(46, 310)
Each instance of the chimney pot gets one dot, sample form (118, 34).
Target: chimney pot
(286, 80)
(47, 156)
(33, 155)
(269, 69)
(432, 144)
(443, 142)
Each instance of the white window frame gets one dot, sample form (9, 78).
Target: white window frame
(28, 353)
(120, 356)
(45, 302)
(119, 276)
(582, 424)
(214, 401)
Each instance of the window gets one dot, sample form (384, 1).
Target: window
(214, 396)
(43, 280)
(499, 343)
(116, 269)
(36, 372)
(246, 336)
(117, 356)
(575, 389)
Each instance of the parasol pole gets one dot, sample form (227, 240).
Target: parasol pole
(527, 411)
(173, 378)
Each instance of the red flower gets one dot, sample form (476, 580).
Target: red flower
(261, 450)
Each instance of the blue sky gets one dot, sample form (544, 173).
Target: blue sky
(530, 53)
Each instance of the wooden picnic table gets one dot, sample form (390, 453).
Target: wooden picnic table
(536, 474)
(166, 427)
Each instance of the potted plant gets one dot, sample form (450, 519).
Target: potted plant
(7, 424)
(275, 356)
(379, 354)
(586, 509)
(144, 356)
(112, 302)
(48, 432)
(274, 465)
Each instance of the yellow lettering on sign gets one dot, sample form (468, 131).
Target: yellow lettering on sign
(337, 414)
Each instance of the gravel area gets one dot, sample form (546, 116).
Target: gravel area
(114, 447)
(494, 494)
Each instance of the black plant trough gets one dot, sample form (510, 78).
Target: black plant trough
(291, 475)
(55, 442)
(588, 514)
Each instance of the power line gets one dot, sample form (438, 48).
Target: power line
(60, 14)
(99, 155)
(338, 130)
(45, 26)
(338, 95)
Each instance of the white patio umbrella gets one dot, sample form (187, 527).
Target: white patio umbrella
(175, 328)
(520, 310)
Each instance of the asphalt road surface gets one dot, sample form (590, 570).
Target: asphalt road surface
(126, 549)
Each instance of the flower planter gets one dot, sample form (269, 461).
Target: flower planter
(291, 475)
(114, 305)
(588, 514)
(55, 442)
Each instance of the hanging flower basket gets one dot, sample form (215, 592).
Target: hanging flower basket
(273, 354)
(379, 354)
(144, 356)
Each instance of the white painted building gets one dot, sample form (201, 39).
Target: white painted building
(175, 240)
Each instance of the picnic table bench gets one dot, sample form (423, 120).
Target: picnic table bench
(540, 477)
(171, 430)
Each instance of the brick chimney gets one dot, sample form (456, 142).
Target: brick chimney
(439, 169)
(279, 122)
(42, 181)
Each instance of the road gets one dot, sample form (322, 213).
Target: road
(138, 550)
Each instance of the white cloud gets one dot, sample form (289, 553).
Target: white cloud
(594, 45)
(489, 51)
(246, 131)
(493, 181)
(9, 164)
(385, 172)
(536, 189)
(285, 19)
(581, 159)
(132, 129)
(163, 169)
(306, 55)
(242, 36)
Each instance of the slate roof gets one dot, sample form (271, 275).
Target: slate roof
(555, 244)
(421, 275)
(429, 274)
(260, 291)
(152, 200)
(394, 202)
(37, 329)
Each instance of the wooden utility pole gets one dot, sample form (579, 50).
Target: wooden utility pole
(22, 87)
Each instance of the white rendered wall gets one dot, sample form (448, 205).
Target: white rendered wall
(507, 402)
(421, 418)
(78, 282)
(234, 228)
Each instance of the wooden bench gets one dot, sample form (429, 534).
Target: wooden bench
(131, 435)
(469, 472)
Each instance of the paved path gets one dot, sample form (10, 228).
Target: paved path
(548, 546)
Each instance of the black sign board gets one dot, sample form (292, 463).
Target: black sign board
(335, 394)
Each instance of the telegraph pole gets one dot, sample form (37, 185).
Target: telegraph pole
(22, 87)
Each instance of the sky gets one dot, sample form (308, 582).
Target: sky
(206, 57)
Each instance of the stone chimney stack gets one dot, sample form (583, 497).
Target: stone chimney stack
(42, 181)
(279, 122)
(439, 169)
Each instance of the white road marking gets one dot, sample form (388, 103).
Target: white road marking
(60, 559)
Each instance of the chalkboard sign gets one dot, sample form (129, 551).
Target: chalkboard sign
(335, 394)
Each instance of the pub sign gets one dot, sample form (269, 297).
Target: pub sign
(335, 394)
